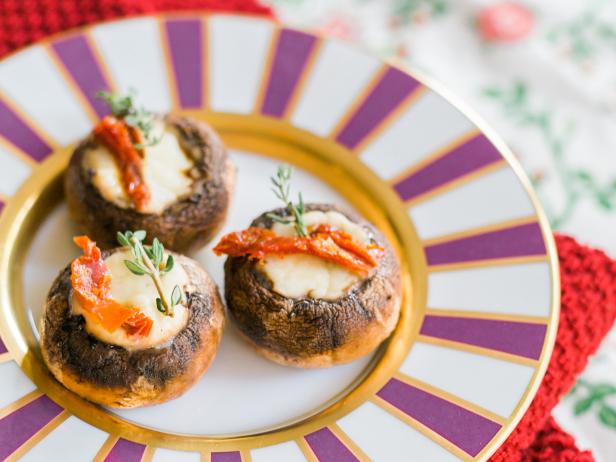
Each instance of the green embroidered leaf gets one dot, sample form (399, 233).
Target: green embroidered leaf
(584, 405)
(492, 92)
(607, 415)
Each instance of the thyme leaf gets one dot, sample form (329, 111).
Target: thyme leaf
(148, 260)
(125, 107)
(281, 186)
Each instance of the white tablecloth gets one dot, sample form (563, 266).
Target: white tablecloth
(543, 73)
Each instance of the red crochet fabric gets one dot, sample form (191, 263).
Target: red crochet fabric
(25, 21)
(588, 276)
(588, 310)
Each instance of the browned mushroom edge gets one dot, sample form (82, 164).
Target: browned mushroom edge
(114, 376)
(185, 225)
(307, 332)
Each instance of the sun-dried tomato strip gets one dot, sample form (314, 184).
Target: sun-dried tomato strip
(91, 281)
(120, 139)
(324, 242)
(138, 324)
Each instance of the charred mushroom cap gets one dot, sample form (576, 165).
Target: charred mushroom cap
(113, 376)
(188, 223)
(307, 332)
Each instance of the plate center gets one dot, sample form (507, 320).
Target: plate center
(242, 392)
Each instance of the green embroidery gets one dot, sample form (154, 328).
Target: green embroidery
(582, 36)
(577, 183)
(594, 396)
(405, 10)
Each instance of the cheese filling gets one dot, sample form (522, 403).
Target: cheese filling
(165, 170)
(139, 292)
(297, 276)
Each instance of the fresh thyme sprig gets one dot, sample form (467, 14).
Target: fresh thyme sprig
(281, 188)
(150, 261)
(124, 107)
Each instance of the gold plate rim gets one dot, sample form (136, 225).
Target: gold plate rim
(322, 157)
(439, 88)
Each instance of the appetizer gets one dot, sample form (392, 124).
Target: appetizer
(311, 285)
(131, 326)
(169, 176)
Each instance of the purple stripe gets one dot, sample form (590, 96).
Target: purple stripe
(292, 52)
(517, 241)
(78, 59)
(328, 448)
(15, 130)
(1, 208)
(474, 154)
(466, 430)
(234, 456)
(388, 93)
(186, 48)
(3, 348)
(22, 424)
(517, 338)
(125, 451)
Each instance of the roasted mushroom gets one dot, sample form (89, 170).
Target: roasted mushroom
(320, 299)
(111, 336)
(169, 176)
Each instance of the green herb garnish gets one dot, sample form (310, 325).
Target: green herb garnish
(150, 261)
(124, 107)
(281, 188)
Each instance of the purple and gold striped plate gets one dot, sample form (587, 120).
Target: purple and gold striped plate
(481, 281)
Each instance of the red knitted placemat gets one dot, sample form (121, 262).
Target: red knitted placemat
(588, 276)
(588, 310)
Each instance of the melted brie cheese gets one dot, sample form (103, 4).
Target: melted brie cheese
(139, 292)
(165, 172)
(298, 276)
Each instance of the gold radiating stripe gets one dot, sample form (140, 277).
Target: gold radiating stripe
(14, 150)
(21, 402)
(148, 454)
(479, 350)
(27, 120)
(421, 428)
(5, 357)
(206, 456)
(359, 100)
(451, 398)
(169, 72)
(300, 86)
(71, 84)
(38, 436)
(487, 263)
(394, 115)
(489, 316)
(458, 182)
(436, 154)
(267, 70)
(480, 230)
(349, 443)
(306, 450)
(205, 63)
(100, 60)
(245, 455)
(103, 452)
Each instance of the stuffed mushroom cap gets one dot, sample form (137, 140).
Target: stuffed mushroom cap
(119, 371)
(332, 322)
(188, 173)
